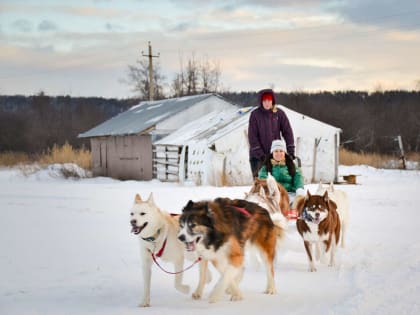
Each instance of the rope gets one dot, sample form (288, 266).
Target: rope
(176, 272)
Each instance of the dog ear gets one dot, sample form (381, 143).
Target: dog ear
(150, 199)
(271, 184)
(137, 199)
(308, 194)
(326, 199)
(188, 205)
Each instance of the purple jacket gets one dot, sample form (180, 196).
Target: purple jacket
(266, 126)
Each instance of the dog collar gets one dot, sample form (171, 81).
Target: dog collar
(151, 238)
(160, 252)
(305, 216)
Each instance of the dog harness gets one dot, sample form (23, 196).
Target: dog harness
(243, 211)
(305, 216)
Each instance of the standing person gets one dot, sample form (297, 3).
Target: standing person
(267, 123)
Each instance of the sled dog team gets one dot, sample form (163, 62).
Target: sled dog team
(219, 231)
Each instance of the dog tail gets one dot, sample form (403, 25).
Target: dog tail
(280, 224)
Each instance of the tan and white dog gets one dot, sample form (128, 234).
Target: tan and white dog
(342, 202)
(319, 225)
(273, 197)
(158, 237)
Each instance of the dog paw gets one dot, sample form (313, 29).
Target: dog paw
(196, 295)
(229, 291)
(144, 304)
(236, 297)
(270, 291)
(214, 298)
(312, 269)
(183, 288)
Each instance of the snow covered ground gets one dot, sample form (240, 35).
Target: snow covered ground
(66, 248)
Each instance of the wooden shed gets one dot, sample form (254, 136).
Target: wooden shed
(122, 146)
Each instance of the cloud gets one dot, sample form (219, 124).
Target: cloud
(22, 25)
(111, 27)
(382, 13)
(88, 11)
(46, 25)
(181, 27)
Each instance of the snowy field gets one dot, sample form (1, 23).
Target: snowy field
(66, 248)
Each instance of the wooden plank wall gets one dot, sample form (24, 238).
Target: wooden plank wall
(166, 159)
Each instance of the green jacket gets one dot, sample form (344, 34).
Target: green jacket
(282, 176)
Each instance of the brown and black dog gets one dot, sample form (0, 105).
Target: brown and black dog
(219, 229)
(319, 225)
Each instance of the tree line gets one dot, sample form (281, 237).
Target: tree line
(370, 121)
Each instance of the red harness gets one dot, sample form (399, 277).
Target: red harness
(243, 211)
(160, 252)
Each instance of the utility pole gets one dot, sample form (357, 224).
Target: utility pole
(402, 157)
(151, 83)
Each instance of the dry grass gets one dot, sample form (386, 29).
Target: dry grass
(413, 156)
(67, 154)
(58, 154)
(9, 158)
(373, 159)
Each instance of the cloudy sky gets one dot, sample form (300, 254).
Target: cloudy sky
(84, 47)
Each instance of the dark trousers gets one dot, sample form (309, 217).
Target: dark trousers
(255, 166)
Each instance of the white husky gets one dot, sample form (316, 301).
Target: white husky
(341, 199)
(157, 231)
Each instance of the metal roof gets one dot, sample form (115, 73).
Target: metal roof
(144, 116)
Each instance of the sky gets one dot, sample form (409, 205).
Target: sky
(83, 48)
(66, 248)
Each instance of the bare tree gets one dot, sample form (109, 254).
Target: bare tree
(210, 76)
(197, 77)
(138, 78)
(192, 73)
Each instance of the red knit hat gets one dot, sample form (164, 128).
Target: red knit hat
(267, 97)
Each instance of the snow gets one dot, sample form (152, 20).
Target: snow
(66, 248)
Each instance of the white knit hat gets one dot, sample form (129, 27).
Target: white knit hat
(278, 145)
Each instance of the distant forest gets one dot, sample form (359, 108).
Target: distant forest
(370, 121)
